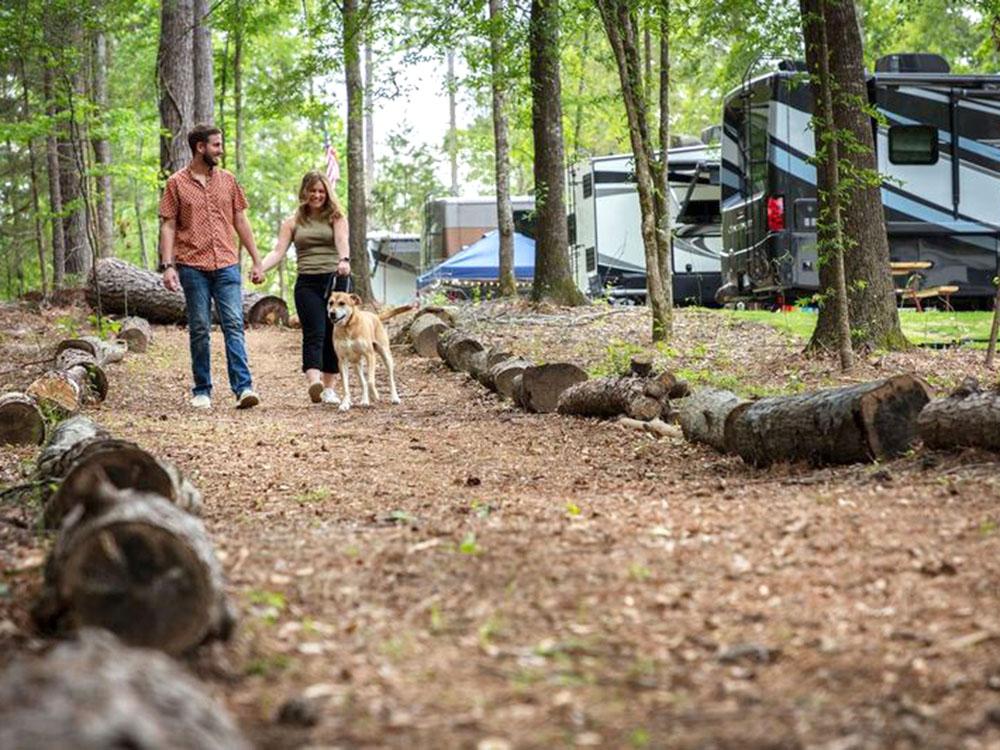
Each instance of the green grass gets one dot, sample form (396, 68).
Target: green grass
(931, 327)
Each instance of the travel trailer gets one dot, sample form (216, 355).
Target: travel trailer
(453, 223)
(938, 148)
(606, 250)
(394, 262)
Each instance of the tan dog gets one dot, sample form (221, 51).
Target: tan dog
(357, 335)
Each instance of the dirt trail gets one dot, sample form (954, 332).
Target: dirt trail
(452, 572)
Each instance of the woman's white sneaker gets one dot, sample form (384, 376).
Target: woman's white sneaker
(329, 396)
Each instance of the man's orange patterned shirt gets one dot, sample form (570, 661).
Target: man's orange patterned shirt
(205, 237)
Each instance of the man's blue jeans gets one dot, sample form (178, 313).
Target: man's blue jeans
(200, 288)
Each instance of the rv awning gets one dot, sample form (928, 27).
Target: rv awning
(480, 261)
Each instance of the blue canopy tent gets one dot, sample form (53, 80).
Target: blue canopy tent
(480, 262)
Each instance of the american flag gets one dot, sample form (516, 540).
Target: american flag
(332, 165)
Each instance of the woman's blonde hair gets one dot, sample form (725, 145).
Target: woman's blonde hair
(331, 209)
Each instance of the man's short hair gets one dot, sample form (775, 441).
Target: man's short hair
(200, 134)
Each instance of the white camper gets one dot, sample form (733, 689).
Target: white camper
(606, 250)
(394, 260)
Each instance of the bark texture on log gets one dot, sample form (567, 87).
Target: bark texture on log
(703, 416)
(541, 385)
(129, 290)
(21, 421)
(137, 333)
(636, 397)
(460, 351)
(137, 565)
(970, 417)
(424, 332)
(492, 359)
(444, 338)
(836, 426)
(68, 433)
(96, 693)
(503, 373)
(126, 466)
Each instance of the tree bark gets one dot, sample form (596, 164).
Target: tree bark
(97, 693)
(128, 290)
(460, 350)
(969, 417)
(135, 564)
(72, 169)
(369, 120)
(704, 414)
(664, 236)
(77, 378)
(871, 296)
(424, 332)
(635, 397)
(505, 214)
(846, 425)
(541, 385)
(357, 217)
(21, 421)
(238, 89)
(553, 280)
(502, 374)
(102, 151)
(35, 202)
(452, 120)
(55, 189)
(175, 78)
(619, 23)
(203, 67)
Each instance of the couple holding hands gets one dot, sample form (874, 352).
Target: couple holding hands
(201, 207)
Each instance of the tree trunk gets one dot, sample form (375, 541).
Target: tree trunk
(969, 417)
(55, 191)
(541, 385)
(451, 85)
(203, 68)
(369, 120)
(96, 692)
(71, 176)
(356, 210)
(619, 24)
(553, 280)
(35, 202)
(137, 333)
(135, 564)
(175, 78)
(830, 229)
(704, 415)
(505, 214)
(77, 377)
(639, 398)
(238, 91)
(21, 421)
(837, 426)
(871, 296)
(664, 235)
(991, 346)
(102, 151)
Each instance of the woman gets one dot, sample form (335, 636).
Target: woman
(319, 230)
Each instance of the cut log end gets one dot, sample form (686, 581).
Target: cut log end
(21, 421)
(541, 385)
(261, 310)
(891, 412)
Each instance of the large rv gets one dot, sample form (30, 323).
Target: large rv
(606, 250)
(938, 150)
(453, 223)
(394, 259)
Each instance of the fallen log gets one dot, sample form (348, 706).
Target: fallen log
(461, 350)
(103, 352)
(126, 466)
(968, 417)
(703, 416)
(125, 289)
(636, 397)
(67, 390)
(424, 332)
(502, 375)
(541, 385)
(442, 343)
(492, 359)
(21, 421)
(135, 564)
(50, 465)
(137, 333)
(263, 310)
(836, 426)
(96, 693)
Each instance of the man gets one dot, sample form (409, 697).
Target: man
(200, 208)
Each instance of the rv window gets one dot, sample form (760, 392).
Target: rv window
(758, 148)
(913, 144)
(588, 185)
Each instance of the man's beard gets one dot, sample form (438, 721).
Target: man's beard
(210, 161)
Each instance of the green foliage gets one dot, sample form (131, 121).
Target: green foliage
(103, 326)
(469, 545)
(617, 359)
